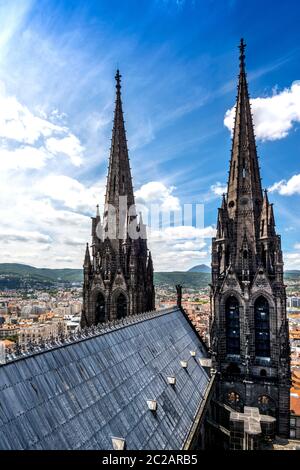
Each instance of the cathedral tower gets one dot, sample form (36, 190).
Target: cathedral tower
(249, 329)
(118, 273)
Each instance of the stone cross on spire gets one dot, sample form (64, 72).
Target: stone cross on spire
(242, 48)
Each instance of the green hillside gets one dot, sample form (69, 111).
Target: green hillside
(186, 279)
(23, 270)
(14, 275)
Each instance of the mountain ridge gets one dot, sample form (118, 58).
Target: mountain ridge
(16, 275)
(199, 268)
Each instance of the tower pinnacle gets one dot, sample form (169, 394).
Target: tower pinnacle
(87, 258)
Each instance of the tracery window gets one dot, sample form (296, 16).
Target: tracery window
(100, 309)
(232, 326)
(262, 327)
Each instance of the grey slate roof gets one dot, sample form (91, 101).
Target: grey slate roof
(80, 395)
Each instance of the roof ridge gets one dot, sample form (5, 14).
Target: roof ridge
(85, 334)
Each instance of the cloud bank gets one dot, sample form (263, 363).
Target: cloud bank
(287, 187)
(274, 116)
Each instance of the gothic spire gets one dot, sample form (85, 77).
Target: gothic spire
(224, 203)
(244, 177)
(267, 220)
(87, 259)
(119, 253)
(150, 263)
(119, 182)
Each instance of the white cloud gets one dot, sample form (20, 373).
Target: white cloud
(24, 157)
(21, 125)
(287, 188)
(71, 193)
(273, 116)
(156, 192)
(218, 189)
(29, 140)
(182, 232)
(12, 16)
(23, 236)
(179, 248)
(292, 261)
(34, 230)
(49, 217)
(69, 146)
(64, 259)
(189, 246)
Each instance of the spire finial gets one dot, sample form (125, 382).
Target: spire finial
(266, 195)
(242, 47)
(118, 79)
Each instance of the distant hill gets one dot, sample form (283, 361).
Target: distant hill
(200, 268)
(43, 275)
(16, 276)
(186, 279)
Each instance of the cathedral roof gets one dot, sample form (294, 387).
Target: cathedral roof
(81, 394)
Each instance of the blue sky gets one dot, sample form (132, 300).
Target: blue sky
(179, 62)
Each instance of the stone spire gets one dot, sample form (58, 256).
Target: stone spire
(267, 221)
(87, 259)
(118, 282)
(244, 194)
(244, 176)
(150, 263)
(119, 181)
(249, 321)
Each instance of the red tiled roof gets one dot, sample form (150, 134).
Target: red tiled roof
(295, 401)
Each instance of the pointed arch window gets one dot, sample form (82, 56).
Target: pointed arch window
(100, 309)
(232, 326)
(121, 306)
(262, 327)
